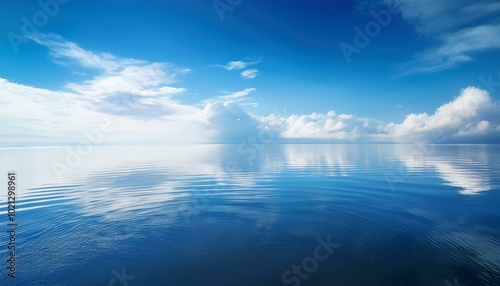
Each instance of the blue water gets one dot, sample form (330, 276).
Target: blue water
(279, 215)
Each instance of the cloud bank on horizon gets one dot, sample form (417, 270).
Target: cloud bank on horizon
(421, 71)
(142, 101)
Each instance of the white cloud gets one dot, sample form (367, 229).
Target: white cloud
(62, 50)
(41, 116)
(240, 97)
(471, 115)
(461, 28)
(238, 65)
(429, 16)
(147, 80)
(249, 74)
(455, 48)
(234, 65)
(228, 122)
(329, 126)
(238, 94)
(128, 87)
(136, 96)
(139, 98)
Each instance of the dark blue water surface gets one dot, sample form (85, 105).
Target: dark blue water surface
(271, 215)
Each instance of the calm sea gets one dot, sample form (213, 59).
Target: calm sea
(253, 215)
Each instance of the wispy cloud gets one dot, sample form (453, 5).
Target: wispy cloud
(461, 29)
(240, 97)
(249, 74)
(238, 65)
(43, 115)
(135, 95)
(66, 52)
(431, 17)
(455, 48)
(140, 99)
(238, 94)
(141, 88)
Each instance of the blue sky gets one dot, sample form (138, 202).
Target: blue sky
(220, 71)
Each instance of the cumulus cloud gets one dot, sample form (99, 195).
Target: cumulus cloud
(472, 116)
(460, 27)
(249, 74)
(329, 126)
(228, 122)
(141, 99)
(123, 86)
(136, 96)
(41, 116)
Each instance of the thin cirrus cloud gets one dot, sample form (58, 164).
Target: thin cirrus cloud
(238, 94)
(455, 48)
(141, 100)
(240, 97)
(239, 65)
(460, 28)
(65, 52)
(250, 73)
